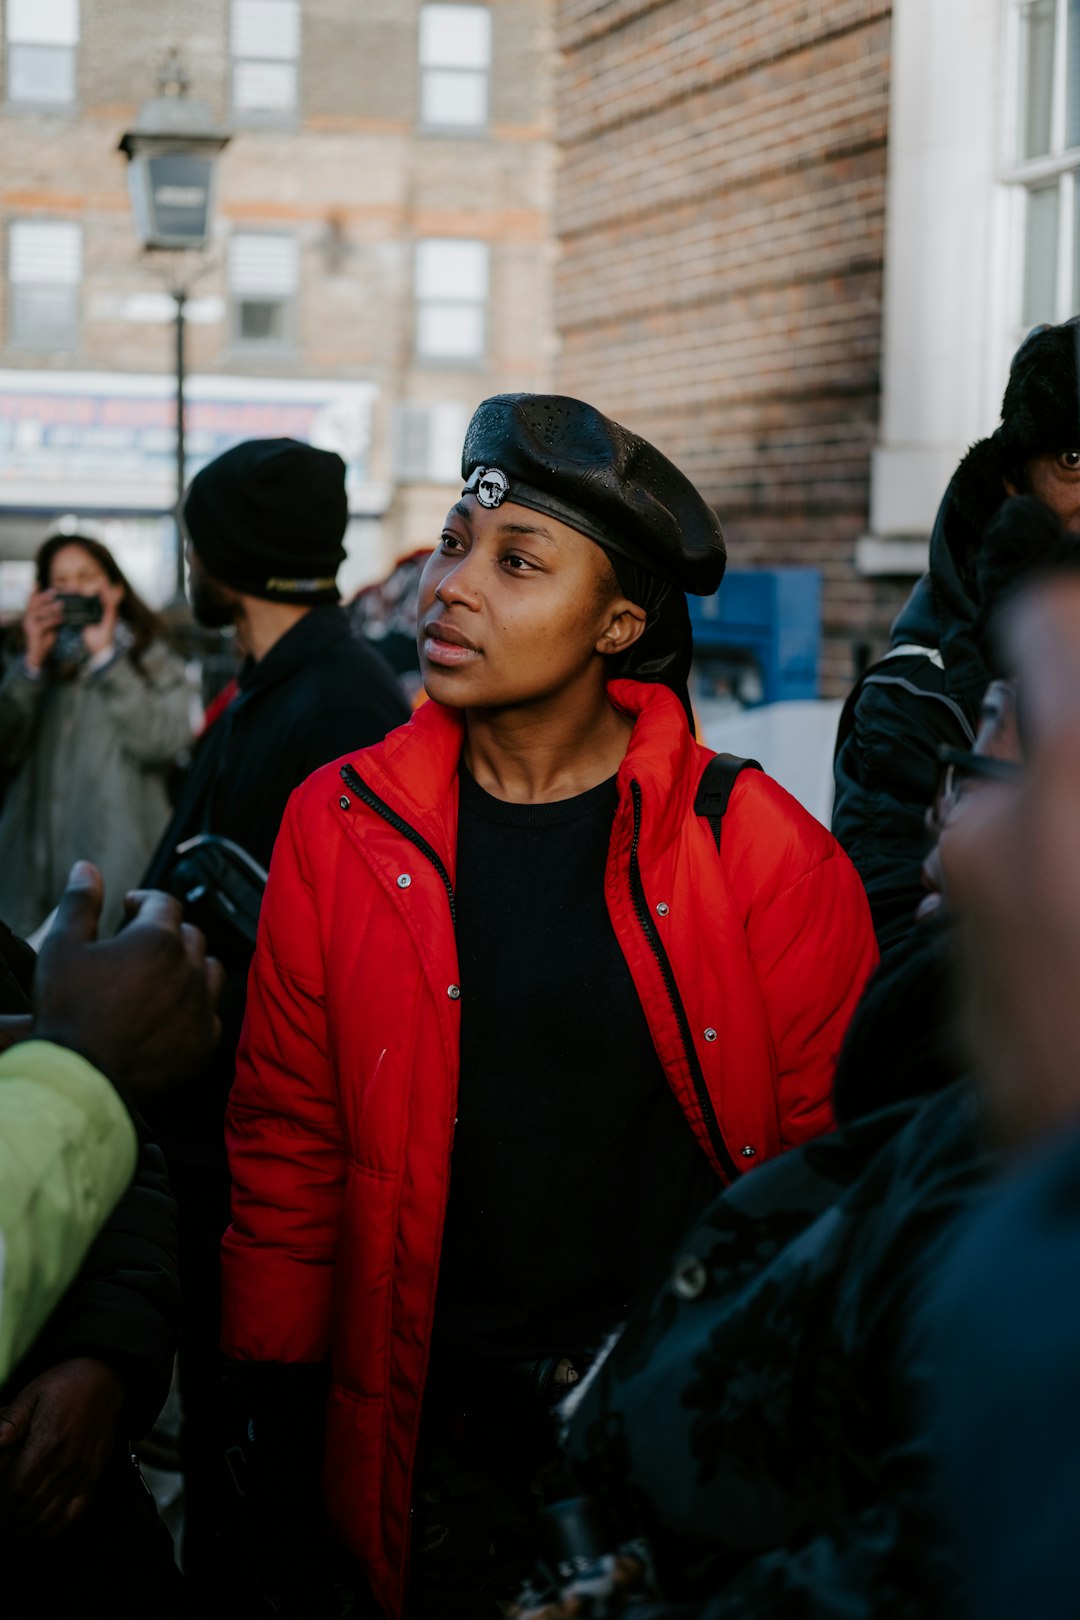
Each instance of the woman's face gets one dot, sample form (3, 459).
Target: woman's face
(517, 608)
(73, 572)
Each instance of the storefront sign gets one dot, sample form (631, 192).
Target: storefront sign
(105, 442)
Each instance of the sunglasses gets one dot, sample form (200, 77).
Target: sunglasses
(958, 766)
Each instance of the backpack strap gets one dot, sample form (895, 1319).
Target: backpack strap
(714, 790)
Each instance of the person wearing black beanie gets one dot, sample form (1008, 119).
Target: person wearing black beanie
(518, 1007)
(268, 518)
(265, 525)
(925, 693)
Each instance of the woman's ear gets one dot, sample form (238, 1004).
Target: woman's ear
(625, 624)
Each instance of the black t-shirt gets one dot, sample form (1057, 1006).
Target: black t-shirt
(574, 1169)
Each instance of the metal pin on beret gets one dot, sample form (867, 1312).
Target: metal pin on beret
(564, 458)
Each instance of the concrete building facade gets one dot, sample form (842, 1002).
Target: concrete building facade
(380, 261)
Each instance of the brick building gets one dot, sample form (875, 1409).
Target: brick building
(798, 243)
(381, 256)
(720, 216)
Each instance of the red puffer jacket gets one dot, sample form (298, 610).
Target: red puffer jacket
(748, 965)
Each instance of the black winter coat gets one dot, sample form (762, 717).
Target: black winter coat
(910, 703)
(124, 1305)
(320, 692)
(763, 1424)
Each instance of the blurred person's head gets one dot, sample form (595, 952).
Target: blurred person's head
(77, 565)
(265, 522)
(997, 744)
(565, 562)
(1012, 870)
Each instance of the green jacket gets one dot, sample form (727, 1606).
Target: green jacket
(67, 1151)
(90, 756)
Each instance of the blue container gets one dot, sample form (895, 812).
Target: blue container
(759, 637)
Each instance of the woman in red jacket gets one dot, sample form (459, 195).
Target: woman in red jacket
(504, 941)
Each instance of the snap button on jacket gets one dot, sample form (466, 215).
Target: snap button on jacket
(341, 1120)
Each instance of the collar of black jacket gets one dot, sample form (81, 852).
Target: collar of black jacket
(307, 640)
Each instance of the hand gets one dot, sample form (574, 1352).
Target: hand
(140, 1007)
(15, 1027)
(621, 1574)
(41, 621)
(98, 638)
(60, 1432)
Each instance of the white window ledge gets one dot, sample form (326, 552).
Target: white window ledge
(897, 558)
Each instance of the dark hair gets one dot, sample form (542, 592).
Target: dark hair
(144, 623)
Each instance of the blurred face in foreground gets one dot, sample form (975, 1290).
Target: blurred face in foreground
(998, 740)
(517, 609)
(1012, 863)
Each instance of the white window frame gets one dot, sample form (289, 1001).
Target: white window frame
(27, 28)
(67, 341)
(1023, 175)
(426, 301)
(239, 295)
(428, 440)
(950, 291)
(449, 67)
(241, 59)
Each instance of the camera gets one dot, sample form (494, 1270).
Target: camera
(79, 611)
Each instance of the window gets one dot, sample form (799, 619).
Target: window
(264, 275)
(265, 47)
(42, 36)
(427, 442)
(44, 273)
(451, 299)
(1046, 157)
(455, 56)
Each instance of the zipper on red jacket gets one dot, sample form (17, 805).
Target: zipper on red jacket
(352, 780)
(656, 945)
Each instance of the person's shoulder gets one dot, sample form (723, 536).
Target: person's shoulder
(765, 815)
(327, 784)
(351, 673)
(356, 651)
(159, 656)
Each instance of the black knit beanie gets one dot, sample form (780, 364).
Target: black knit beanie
(268, 518)
(1040, 414)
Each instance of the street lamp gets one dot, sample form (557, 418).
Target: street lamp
(172, 153)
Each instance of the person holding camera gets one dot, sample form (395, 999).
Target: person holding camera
(91, 717)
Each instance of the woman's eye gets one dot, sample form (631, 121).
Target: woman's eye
(450, 542)
(516, 564)
(1070, 459)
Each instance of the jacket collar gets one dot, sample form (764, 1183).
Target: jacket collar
(306, 640)
(415, 769)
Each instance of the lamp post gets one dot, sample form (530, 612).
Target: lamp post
(172, 153)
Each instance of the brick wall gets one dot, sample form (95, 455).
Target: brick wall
(720, 220)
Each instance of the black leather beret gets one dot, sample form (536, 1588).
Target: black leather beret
(562, 457)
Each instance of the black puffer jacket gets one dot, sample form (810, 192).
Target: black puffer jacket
(924, 693)
(762, 1424)
(124, 1305)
